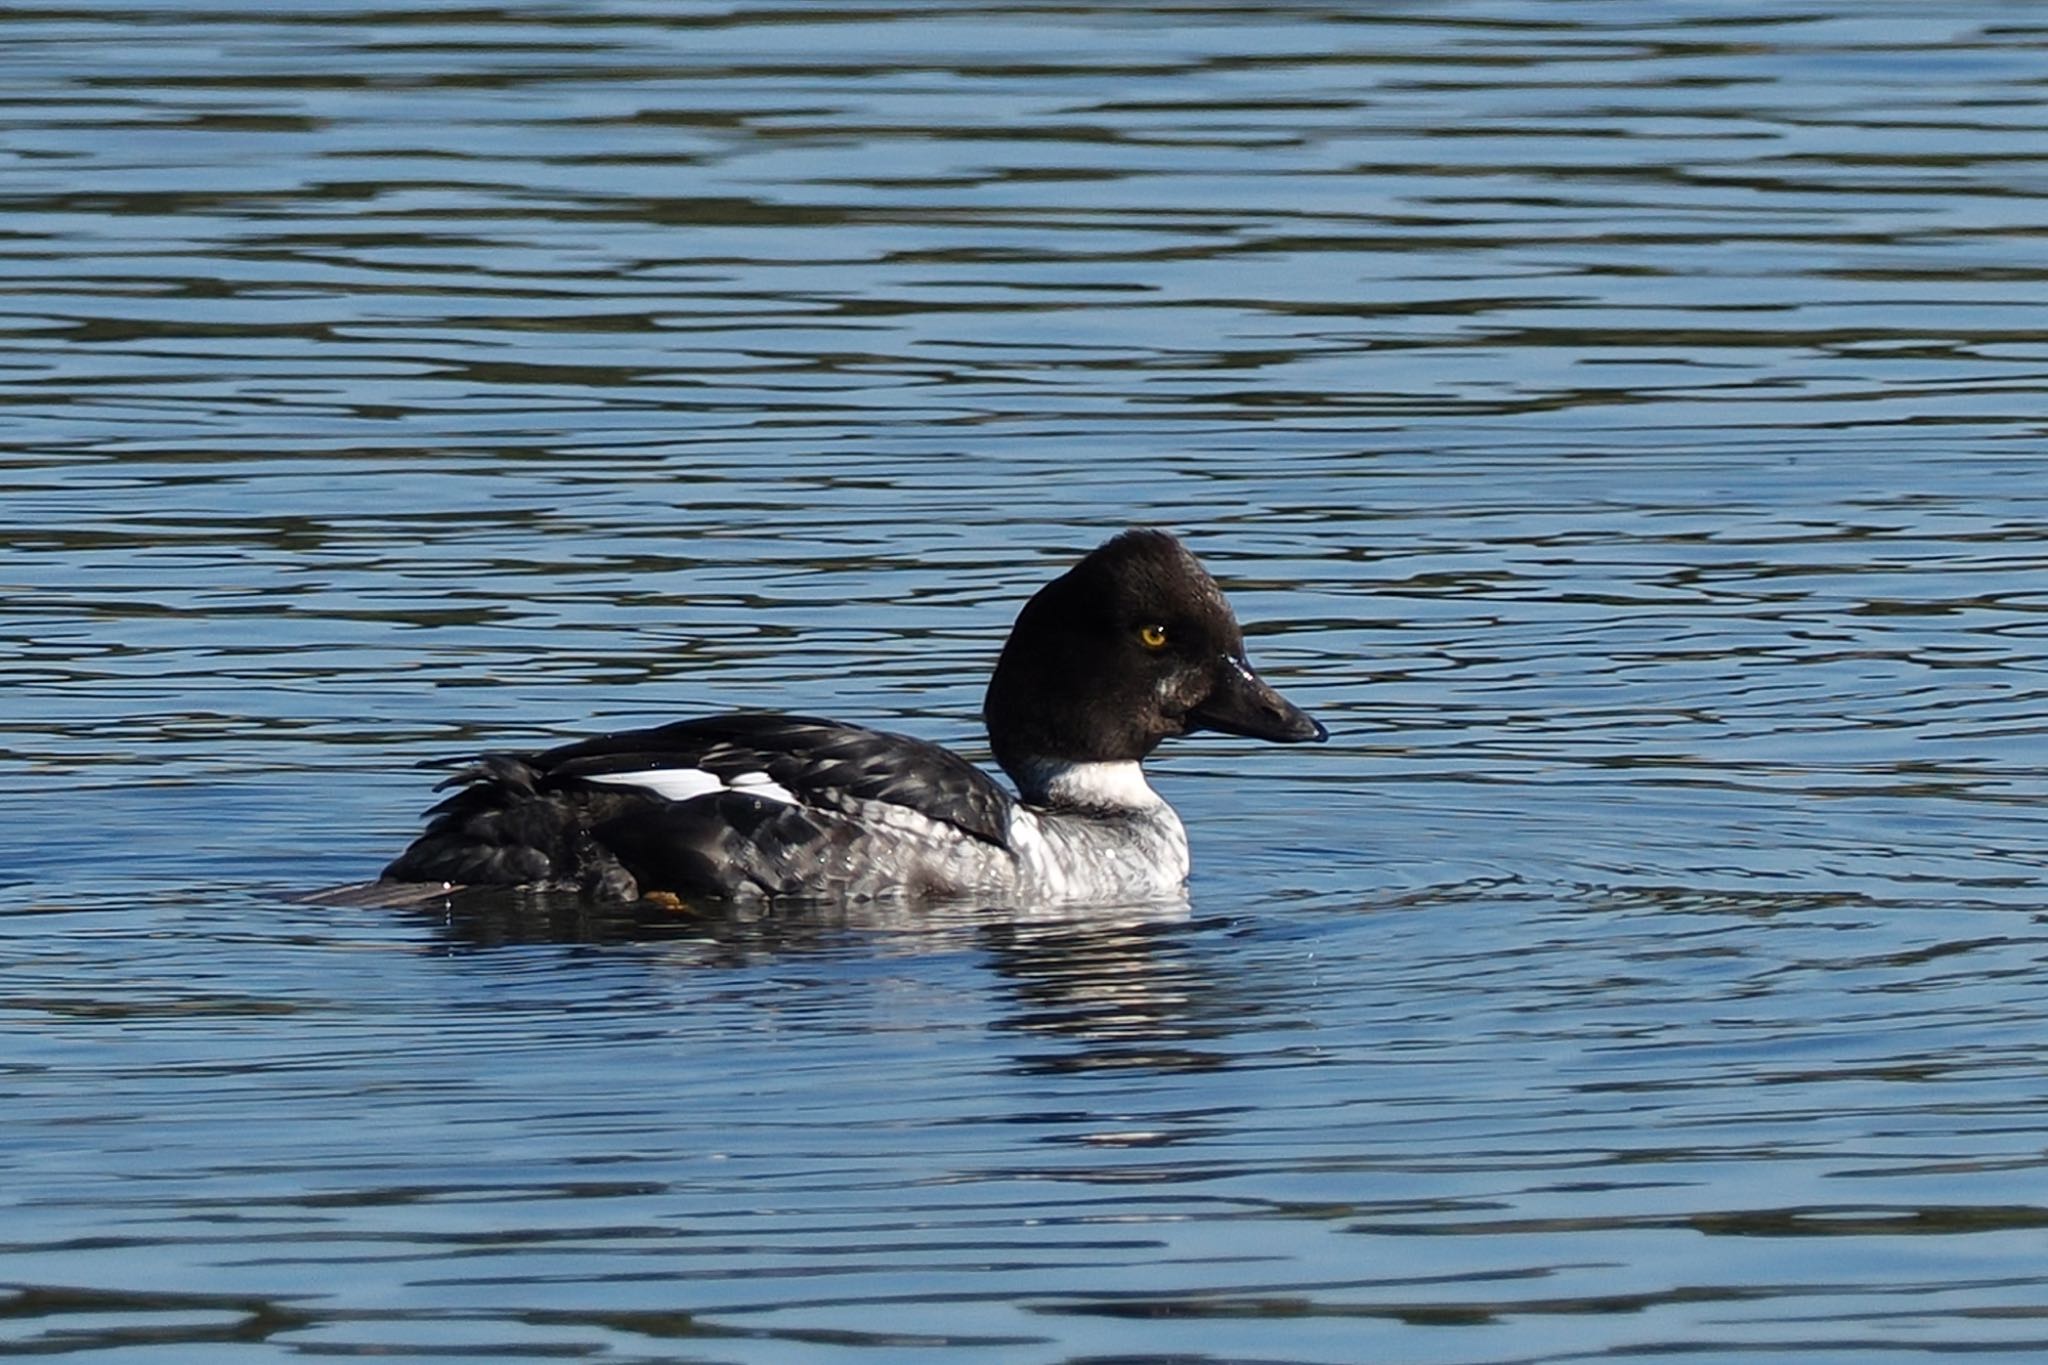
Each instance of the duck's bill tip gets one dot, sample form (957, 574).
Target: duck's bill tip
(1302, 728)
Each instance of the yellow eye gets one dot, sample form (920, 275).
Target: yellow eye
(1152, 636)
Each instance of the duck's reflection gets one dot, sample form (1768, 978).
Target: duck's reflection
(1135, 991)
(1131, 985)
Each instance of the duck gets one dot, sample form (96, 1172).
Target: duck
(1132, 645)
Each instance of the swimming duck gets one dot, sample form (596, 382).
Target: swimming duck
(1132, 645)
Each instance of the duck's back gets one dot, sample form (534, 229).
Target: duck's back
(736, 806)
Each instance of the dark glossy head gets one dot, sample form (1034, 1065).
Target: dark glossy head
(1133, 644)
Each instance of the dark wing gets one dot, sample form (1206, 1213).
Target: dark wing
(821, 762)
(503, 827)
(724, 805)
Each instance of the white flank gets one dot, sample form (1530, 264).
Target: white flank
(1067, 855)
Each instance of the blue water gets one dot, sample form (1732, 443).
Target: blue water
(1621, 425)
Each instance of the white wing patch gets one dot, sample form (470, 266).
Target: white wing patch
(767, 788)
(681, 784)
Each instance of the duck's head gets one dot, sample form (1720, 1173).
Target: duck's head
(1132, 645)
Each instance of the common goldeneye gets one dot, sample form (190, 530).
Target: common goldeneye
(1132, 644)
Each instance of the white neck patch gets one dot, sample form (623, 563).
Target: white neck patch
(1089, 786)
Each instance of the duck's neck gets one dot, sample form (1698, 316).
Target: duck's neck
(1060, 784)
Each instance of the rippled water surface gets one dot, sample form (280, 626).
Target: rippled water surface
(1622, 424)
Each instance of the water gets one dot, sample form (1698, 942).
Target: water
(1621, 424)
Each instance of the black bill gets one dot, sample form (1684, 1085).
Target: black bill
(1242, 703)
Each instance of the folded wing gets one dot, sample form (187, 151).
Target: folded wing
(725, 805)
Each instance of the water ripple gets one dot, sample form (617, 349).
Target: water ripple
(1619, 427)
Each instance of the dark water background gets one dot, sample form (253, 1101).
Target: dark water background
(1623, 423)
